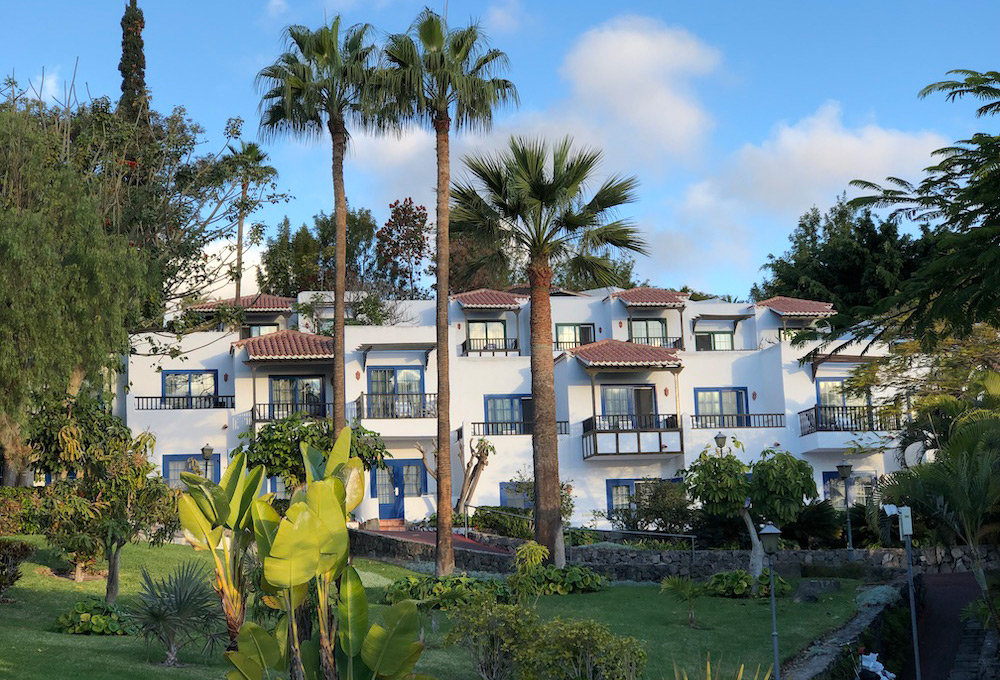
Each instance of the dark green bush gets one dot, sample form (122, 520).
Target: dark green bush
(739, 584)
(16, 510)
(819, 525)
(501, 523)
(445, 592)
(94, 616)
(719, 531)
(12, 554)
(551, 580)
(581, 650)
(280, 506)
(495, 635)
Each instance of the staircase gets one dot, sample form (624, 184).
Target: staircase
(966, 666)
(392, 525)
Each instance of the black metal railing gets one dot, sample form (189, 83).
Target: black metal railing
(397, 405)
(513, 427)
(281, 409)
(847, 419)
(484, 345)
(746, 420)
(666, 341)
(170, 403)
(632, 423)
(561, 345)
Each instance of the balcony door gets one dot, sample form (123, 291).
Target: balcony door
(629, 407)
(487, 335)
(400, 479)
(720, 407)
(840, 409)
(297, 394)
(510, 414)
(394, 392)
(648, 331)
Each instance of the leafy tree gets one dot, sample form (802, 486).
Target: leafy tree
(403, 244)
(134, 103)
(323, 84)
(622, 274)
(437, 77)
(957, 284)
(775, 488)
(277, 446)
(463, 277)
(845, 256)
(533, 201)
(61, 429)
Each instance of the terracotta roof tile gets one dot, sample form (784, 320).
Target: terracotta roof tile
(484, 298)
(651, 297)
(252, 303)
(288, 345)
(789, 306)
(618, 353)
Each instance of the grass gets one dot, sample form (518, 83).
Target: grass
(733, 631)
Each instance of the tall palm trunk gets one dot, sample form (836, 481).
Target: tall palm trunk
(338, 133)
(239, 240)
(544, 440)
(445, 563)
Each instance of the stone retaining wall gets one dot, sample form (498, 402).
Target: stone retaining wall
(384, 546)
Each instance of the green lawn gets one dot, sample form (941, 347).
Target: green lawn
(732, 630)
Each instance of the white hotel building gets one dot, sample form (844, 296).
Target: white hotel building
(645, 378)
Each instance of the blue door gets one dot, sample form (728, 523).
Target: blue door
(399, 480)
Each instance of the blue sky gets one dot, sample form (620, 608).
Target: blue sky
(736, 117)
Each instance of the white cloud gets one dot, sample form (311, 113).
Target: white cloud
(47, 86)
(504, 16)
(275, 8)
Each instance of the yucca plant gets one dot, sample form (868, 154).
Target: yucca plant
(741, 673)
(178, 610)
(684, 590)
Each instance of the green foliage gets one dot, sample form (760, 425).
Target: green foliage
(778, 485)
(17, 510)
(12, 554)
(684, 590)
(500, 522)
(177, 610)
(495, 636)
(277, 445)
(93, 616)
(742, 673)
(552, 580)
(818, 525)
(133, 104)
(739, 584)
(582, 650)
(447, 592)
(401, 247)
(529, 556)
(62, 429)
(719, 483)
(68, 521)
(661, 505)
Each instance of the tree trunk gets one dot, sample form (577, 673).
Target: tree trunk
(445, 558)
(171, 659)
(239, 242)
(78, 572)
(113, 555)
(544, 439)
(338, 134)
(756, 549)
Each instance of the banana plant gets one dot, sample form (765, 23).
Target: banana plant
(217, 518)
(309, 547)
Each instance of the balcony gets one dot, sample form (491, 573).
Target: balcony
(632, 435)
(496, 429)
(172, 403)
(563, 345)
(735, 421)
(491, 346)
(279, 410)
(395, 406)
(666, 341)
(847, 419)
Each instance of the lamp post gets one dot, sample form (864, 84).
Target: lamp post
(844, 470)
(720, 441)
(206, 454)
(769, 536)
(905, 531)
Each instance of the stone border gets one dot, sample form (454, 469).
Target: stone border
(385, 546)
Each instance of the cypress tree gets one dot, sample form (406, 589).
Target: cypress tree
(133, 65)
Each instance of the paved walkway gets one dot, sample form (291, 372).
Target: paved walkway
(939, 626)
(430, 538)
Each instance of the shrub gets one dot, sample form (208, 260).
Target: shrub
(742, 673)
(819, 525)
(551, 580)
(94, 616)
(683, 590)
(178, 610)
(663, 506)
(581, 650)
(658, 544)
(739, 584)
(495, 635)
(12, 553)
(16, 510)
(444, 592)
(503, 524)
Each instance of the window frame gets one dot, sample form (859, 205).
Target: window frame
(297, 377)
(251, 326)
(190, 397)
(395, 368)
(577, 327)
(507, 491)
(861, 477)
(712, 335)
(630, 482)
(843, 397)
(168, 458)
(662, 322)
(633, 387)
(485, 322)
(741, 400)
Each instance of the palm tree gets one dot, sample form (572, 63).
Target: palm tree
(441, 77)
(252, 170)
(320, 84)
(530, 203)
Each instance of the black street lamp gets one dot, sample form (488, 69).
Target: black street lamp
(720, 441)
(206, 454)
(844, 470)
(769, 538)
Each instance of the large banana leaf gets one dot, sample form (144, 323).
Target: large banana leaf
(241, 489)
(326, 500)
(198, 530)
(340, 453)
(244, 667)
(352, 475)
(352, 613)
(258, 644)
(386, 651)
(295, 552)
(210, 497)
(265, 525)
(314, 462)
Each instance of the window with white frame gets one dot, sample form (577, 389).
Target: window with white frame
(714, 341)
